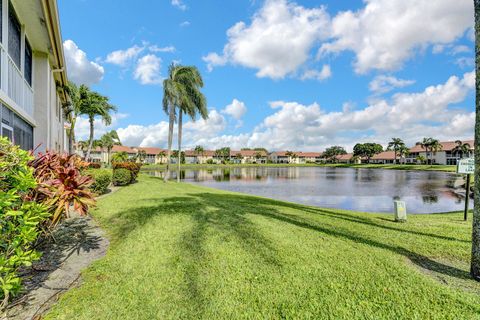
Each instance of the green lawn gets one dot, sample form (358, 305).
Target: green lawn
(339, 165)
(180, 251)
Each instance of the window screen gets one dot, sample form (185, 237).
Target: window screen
(14, 40)
(28, 63)
(22, 134)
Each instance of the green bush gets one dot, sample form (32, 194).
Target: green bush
(20, 218)
(209, 161)
(133, 167)
(103, 179)
(122, 177)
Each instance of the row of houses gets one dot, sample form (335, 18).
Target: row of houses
(447, 155)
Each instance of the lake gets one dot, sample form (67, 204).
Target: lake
(369, 190)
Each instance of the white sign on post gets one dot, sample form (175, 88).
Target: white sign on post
(466, 166)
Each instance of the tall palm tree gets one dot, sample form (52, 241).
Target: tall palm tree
(395, 145)
(93, 104)
(435, 146)
(426, 144)
(199, 150)
(109, 140)
(403, 151)
(82, 145)
(72, 112)
(461, 148)
(475, 263)
(181, 90)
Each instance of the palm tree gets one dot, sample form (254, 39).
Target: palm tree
(83, 145)
(141, 155)
(475, 263)
(403, 151)
(72, 112)
(435, 146)
(395, 145)
(199, 150)
(461, 148)
(109, 140)
(181, 90)
(93, 104)
(120, 157)
(161, 154)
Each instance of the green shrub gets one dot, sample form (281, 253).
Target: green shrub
(103, 179)
(133, 167)
(122, 177)
(20, 218)
(210, 161)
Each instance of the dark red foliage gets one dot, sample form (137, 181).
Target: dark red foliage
(61, 184)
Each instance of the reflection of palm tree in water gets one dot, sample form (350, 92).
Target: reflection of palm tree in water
(428, 190)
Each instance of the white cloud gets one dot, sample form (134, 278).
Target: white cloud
(320, 75)
(82, 126)
(179, 4)
(185, 24)
(465, 62)
(155, 48)
(157, 134)
(277, 41)
(460, 49)
(296, 126)
(385, 33)
(81, 70)
(236, 109)
(382, 84)
(121, 57)
(147, 70)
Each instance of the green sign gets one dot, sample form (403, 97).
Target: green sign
(466, 166)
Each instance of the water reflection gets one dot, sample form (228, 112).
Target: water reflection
(370, 190)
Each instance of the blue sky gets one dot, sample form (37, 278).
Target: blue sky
(280, 74)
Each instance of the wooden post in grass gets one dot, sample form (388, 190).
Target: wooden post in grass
(466, 166)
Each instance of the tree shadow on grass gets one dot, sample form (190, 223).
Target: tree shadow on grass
(268, 208)
(207, 216)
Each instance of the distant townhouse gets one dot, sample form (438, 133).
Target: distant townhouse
(32, 75)
(248, 156)
(447, 155)
(279, 157)
(297, 157)
(348, 158)
(385, 157)
(152, 155)
(194, 157)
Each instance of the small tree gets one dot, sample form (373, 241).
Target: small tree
(367, 150)
(333, 152)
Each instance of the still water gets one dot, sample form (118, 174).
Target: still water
(370, 190)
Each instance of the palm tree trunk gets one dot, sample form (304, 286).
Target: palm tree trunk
(90, 141)
(170, 138)
(179, 143)
(475, 265)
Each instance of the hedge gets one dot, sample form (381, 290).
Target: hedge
(103, 179)
(133, 167)
(122, 177)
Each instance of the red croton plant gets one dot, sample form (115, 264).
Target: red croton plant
(61, 184)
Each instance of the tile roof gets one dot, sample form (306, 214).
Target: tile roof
(150, 150)
(446, 146)
(385, 155)
(123, 149)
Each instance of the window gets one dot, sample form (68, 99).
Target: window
(27, 72)
(22, 134)
(14, 36)
(16, 129)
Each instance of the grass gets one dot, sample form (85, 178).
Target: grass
(180, 251)
(421, 167)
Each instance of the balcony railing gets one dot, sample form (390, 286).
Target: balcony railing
(15, 86)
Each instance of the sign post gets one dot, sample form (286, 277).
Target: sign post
(466, 166)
